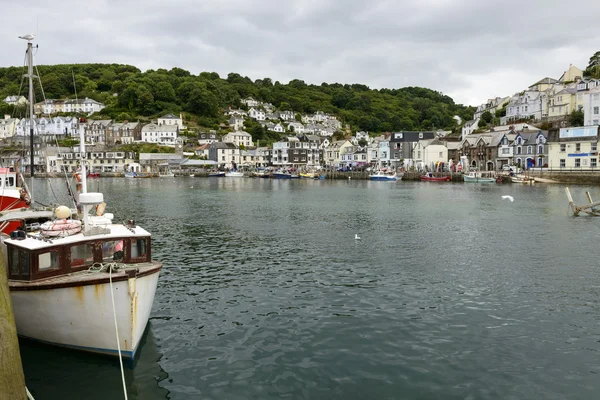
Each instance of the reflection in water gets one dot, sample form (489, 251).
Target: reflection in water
(56, 373)
(452, 293)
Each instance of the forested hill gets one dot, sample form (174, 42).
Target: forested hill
(131, 94)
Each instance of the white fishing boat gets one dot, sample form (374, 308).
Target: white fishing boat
(83, 283)
(477, 177)
(234, 174)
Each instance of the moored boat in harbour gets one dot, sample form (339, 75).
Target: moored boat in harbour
(428, 177)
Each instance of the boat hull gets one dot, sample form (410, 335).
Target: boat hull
(234, 174)
(435, 179)
(281, 175)
(11, 200)
(382, 178)
(470, 179)
(216, 174)
(79, 315)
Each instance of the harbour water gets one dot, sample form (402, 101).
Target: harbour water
(451, 293)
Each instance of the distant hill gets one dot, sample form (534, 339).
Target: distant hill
(131, 94)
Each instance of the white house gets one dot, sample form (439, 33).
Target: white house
(171, 119)
(236, 122)
(49, 126)
(14, 100)
(429, 152)
(86, 106)
(526, 105)
(257, 114)
(296, 127)
(160, 134)
(286, 115)
(469, 127)
(238, 138)
(591, 108)
(250, 102)
(224, 153)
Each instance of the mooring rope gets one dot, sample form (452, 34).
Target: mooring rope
(101, 267)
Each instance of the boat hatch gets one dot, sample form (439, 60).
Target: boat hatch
(30, 265)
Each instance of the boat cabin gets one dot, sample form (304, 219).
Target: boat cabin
(31, 259)
(8, 178)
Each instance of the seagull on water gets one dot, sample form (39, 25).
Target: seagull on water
(356, 237)
(508, 197)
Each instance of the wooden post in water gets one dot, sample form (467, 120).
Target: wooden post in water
(12, 380)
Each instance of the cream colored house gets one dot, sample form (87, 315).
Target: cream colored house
(8, 127)
(564, 102)
(170, 120)
(571, 75)
(574, 148)
(335, 149)
(238, 138)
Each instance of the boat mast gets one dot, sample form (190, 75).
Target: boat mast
(30, 76)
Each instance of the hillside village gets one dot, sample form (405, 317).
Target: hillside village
(529, 129)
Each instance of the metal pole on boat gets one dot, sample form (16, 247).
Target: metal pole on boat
(30, 76)
(12, 379)
(83, 159)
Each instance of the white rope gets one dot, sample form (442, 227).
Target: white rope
(29, 395)
(112, 296)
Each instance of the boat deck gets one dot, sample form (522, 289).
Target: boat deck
(86, 277)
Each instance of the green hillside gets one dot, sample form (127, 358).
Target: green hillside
(131, 94)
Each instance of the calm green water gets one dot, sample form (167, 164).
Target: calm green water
(451, 293)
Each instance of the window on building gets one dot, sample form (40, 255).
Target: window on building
(593, 162)
(563, 147)
(529, 149)
(596, 110)
(578, 147)
(562, 163)
(540, 149)
(594, 146)
(518, 150)
(577, 162)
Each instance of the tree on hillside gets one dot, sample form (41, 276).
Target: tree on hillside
(576, 118)
(487, 117)
(593, 68)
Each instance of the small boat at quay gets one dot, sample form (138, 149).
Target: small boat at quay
(80, 281)
(234, 174)
(383, 176)
(476, 177)
(430, 178)
(216, 174)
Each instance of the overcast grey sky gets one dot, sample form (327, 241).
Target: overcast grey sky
(470, 50)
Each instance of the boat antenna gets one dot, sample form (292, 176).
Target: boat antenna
(30, 76)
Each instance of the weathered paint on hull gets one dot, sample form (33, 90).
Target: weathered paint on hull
(81, 317)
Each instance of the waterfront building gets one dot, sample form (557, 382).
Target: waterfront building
(573, 148)
(238, 138)
(591, 109)
(530, 149)
(403, 144)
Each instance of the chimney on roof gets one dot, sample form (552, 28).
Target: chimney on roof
(6, 116)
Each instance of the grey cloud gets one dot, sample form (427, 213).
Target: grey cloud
(469, 49)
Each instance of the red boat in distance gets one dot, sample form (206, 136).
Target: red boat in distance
(430, 178)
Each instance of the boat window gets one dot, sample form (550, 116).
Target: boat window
(18, 263)
(82, 254)
(138, 248)
(112, 250)
(10, 181)
(48, 261)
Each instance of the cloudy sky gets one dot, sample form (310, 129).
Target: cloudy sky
(470, 50)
